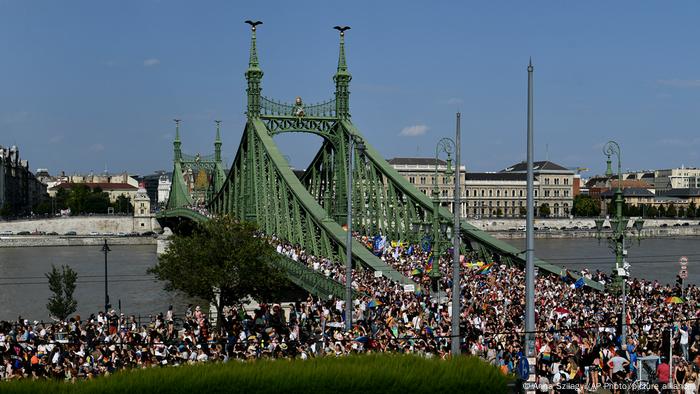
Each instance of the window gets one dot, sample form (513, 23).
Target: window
(482, 192)
(512, 193)
(474, 192)
(556, 193)
(535, 193)
(556, 181)
(566, 181)
(498, 193)
(412, 179)
(142, 226)
(546, 193)
(546, 181)
(566, 194)
(521, 193)
(422, 180)
(490, 193)
(498, 204)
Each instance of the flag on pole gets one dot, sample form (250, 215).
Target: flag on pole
(429, 264)
(579, 283)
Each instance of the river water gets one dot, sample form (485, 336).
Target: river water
(654, 258)
(24, 291)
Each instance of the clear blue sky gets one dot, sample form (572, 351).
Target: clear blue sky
(84, 84)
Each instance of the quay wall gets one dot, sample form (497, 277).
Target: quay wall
(80, 224)
(16, 241)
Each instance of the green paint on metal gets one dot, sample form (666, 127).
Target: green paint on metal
(261, 187)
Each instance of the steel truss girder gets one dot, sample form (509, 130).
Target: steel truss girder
(275, 198)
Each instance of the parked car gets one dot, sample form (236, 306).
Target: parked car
(150, 233)
(74, 233)
(123, 234)
(55, 233)
(662, 225)
(23, 233)
(93, 233)
(7, 232)
(108, 234)
(684, 224)
(674, 225)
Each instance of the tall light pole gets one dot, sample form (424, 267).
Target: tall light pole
(106, 249)
(445, 145)
(530, 231)
(352, 139)
(457, 210)
(619, 229)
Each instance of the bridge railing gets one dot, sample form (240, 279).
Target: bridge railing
(276, 108)
(314, 282)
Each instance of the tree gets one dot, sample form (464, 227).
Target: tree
(221, 254)
(692, 209)
(652, 212)
(523, 212)
(544, 210)
(662, 211)
(681, 212)
(77, 200)
(671, 211)
(499, 212)
(97, 201)
(122, 204)
(62, 284)
(585, 206)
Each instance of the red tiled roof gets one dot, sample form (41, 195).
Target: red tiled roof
(102, 185)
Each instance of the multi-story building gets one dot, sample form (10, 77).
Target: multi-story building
(554, 186)
(495, 194)
(420, 172)
(676, 178)
(164, 184)
(19, 188)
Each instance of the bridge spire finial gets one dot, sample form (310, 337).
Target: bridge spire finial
(342, 78)
(254, 73)
(177, 144)
(217, 142)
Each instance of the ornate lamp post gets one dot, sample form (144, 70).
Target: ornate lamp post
(447, 146)
(618, 226)
(106, 249)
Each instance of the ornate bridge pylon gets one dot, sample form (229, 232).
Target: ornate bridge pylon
(310, 210)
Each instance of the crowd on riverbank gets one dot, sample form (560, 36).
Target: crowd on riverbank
(577, 328)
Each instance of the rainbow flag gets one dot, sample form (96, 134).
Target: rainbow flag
(429, 264)
(486, 269)
(416, 271)
(546, 356)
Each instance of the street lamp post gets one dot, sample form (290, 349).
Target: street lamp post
(618, 225)
(352, 140)
(457, 210)
(106, 249)
(447, 146)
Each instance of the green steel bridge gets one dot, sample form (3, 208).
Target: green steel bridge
(311, 210)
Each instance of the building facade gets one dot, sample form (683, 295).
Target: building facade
(421, 173)
(20, 190)
(555, 186)
(677, 178)
(143, 218)
(493, 194)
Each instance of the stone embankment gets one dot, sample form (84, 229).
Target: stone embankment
(14, 241)
(583, 228)
(81, 225)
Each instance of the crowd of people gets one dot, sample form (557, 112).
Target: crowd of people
(578, 330)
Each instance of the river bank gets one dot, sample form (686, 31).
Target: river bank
(655, 232)
(18, 241)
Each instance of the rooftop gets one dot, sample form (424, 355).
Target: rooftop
(629, 192)
(495, 176)
(92, 185)
(538, 166)
(424, 161)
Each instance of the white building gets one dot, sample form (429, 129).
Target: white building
(677, 178)
(164, 184)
